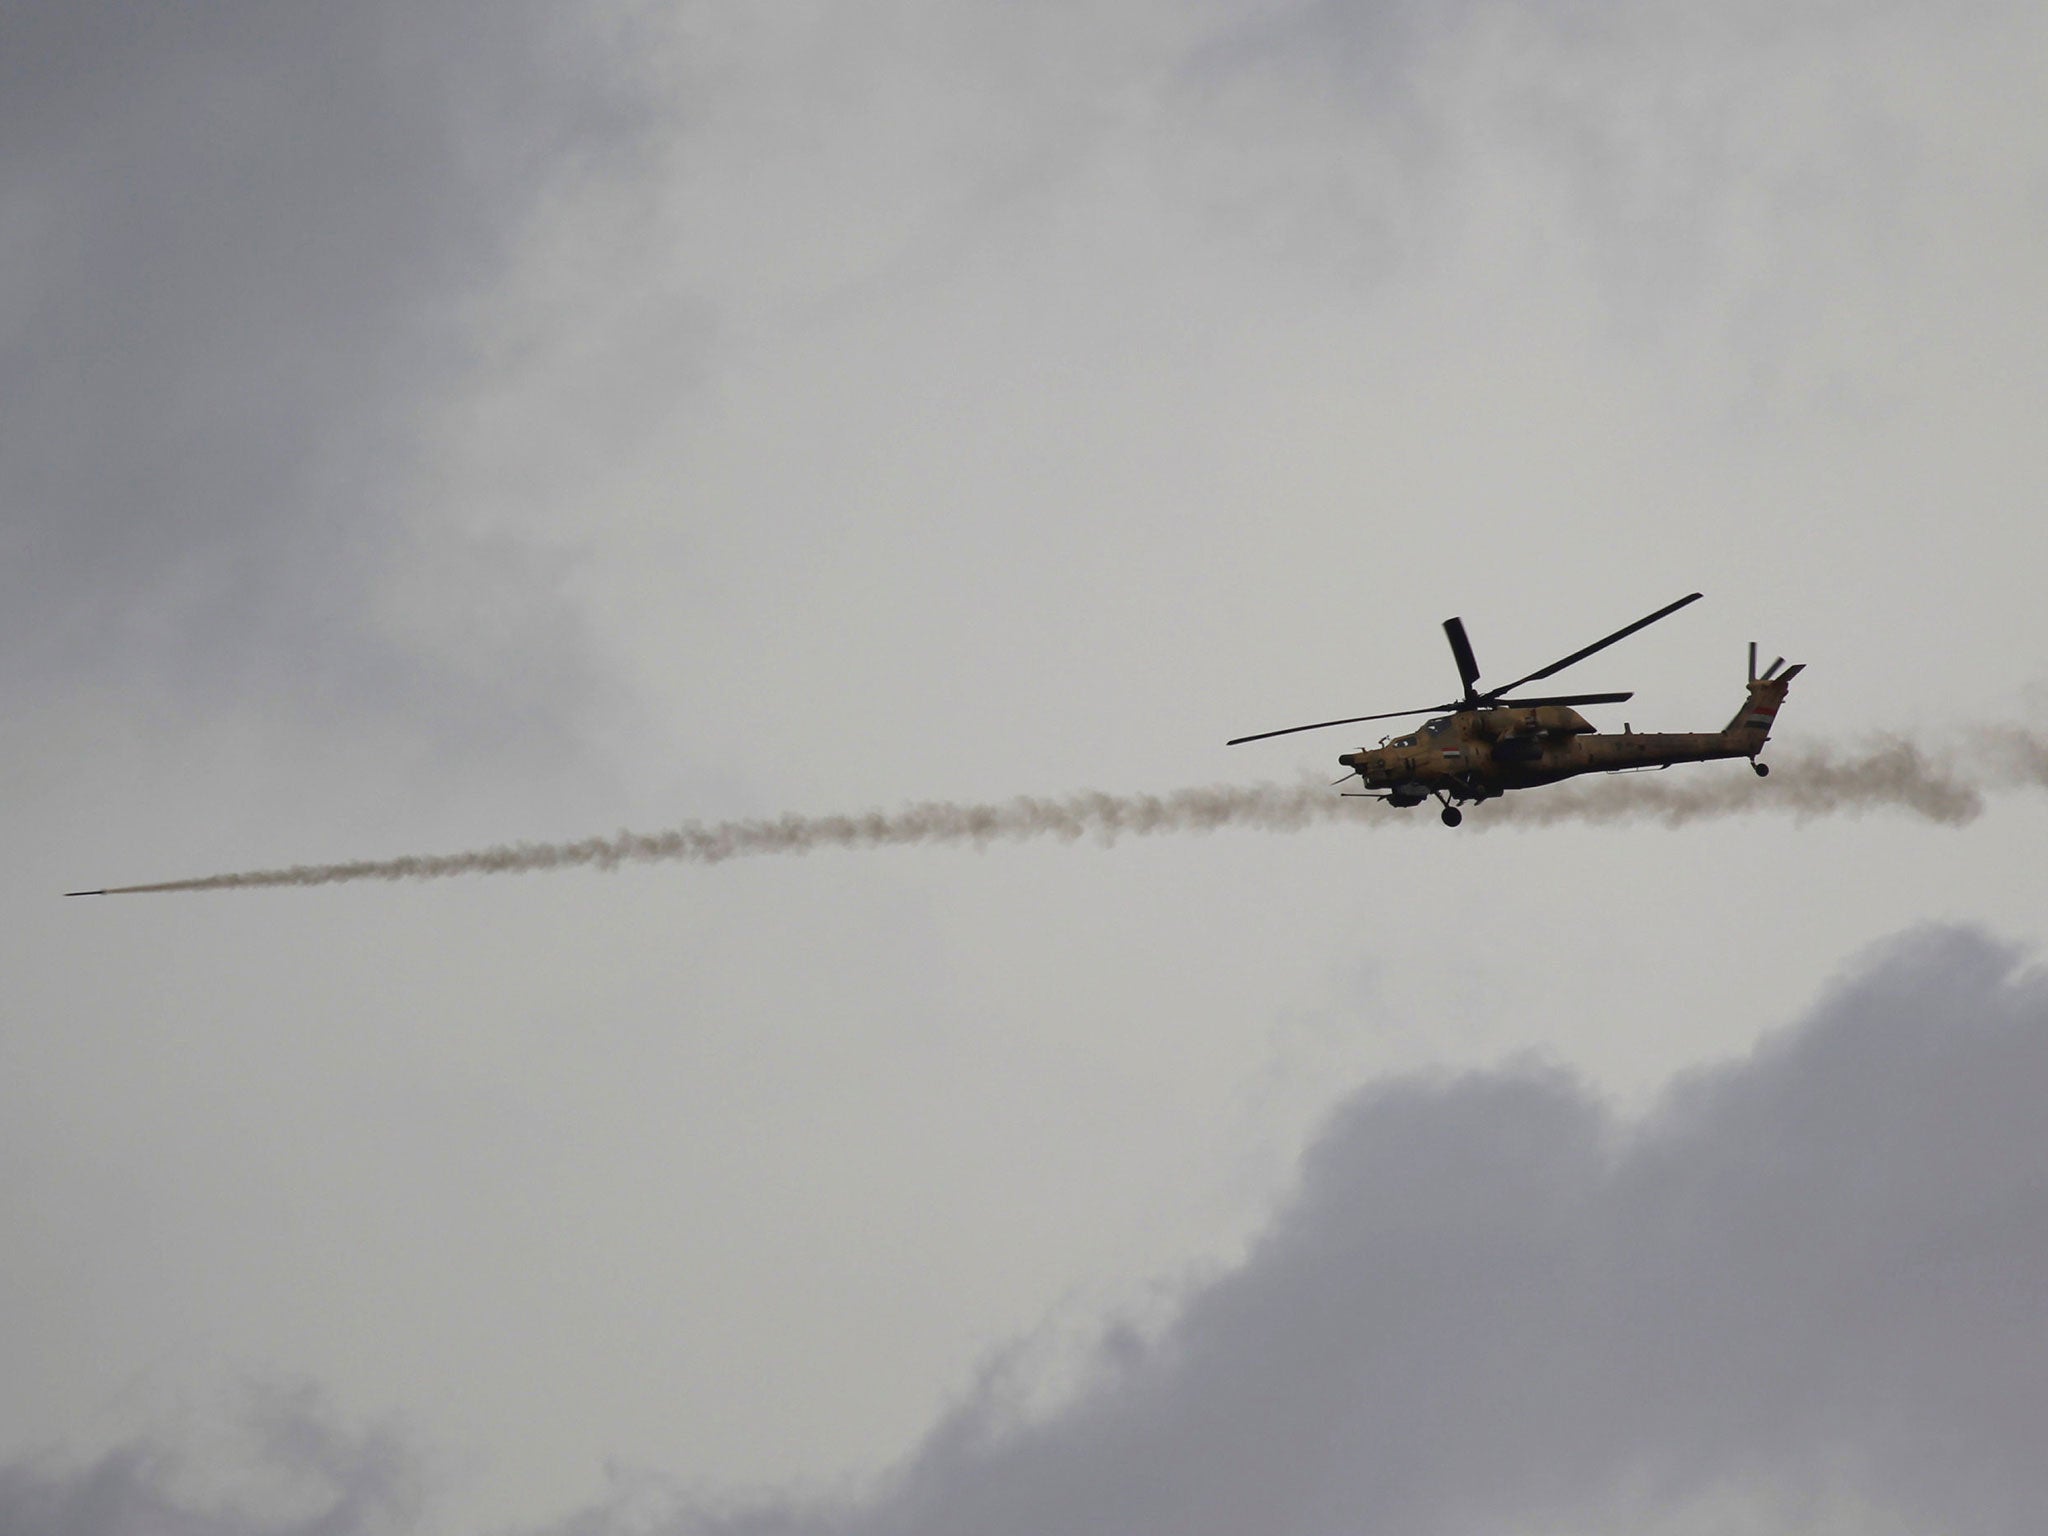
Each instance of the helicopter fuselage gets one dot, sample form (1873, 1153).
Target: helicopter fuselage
(1476, 754)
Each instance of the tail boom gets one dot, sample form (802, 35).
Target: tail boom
(1751, 727)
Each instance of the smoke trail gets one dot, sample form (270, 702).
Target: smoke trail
(1816, 782)
(1889, 774)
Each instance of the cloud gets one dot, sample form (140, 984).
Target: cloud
(1803, 1293)
(237, 240)
(295, 1472)
(1806, 1289)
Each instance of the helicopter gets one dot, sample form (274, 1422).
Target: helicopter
(1482, 745)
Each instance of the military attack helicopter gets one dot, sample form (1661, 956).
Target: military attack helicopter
(1483, 745)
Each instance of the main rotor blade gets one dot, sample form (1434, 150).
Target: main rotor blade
(1461, 649)
(1322, 725)
(1569, 698)
(1439, 709)
(1598, 645)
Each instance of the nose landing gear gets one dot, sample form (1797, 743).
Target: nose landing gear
(1452, 816)
(1761, 770)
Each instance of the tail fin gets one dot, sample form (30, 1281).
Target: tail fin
(1752, 723)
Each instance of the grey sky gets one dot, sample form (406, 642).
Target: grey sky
(440, 425)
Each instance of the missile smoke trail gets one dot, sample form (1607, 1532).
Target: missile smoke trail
(1817, 782)
(1888, 774)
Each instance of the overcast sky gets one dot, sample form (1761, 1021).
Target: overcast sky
(458, 422)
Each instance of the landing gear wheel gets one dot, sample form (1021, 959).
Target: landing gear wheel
(1452, 815)
(1761, 770)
